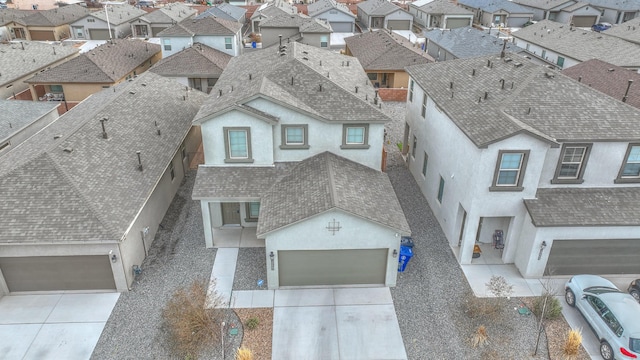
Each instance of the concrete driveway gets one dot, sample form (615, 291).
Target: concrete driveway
(53, 326)
(344, 323)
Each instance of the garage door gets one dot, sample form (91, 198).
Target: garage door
(332, 267)
(457, 23)
(583, 21)
(342, 27)
(517, 21)
(570, 257)
(99, 34)
(42, 35)
(399, 24)
(49, 273)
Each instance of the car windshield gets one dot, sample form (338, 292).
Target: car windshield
(601, 290)
(634, 345)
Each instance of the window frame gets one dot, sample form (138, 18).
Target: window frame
(583, 164)
(227, 145)
(374, 78)
(324, 41)
(248, 217)
(346, 145)
(440, 190)
(521, 171)
(423, 111)
(172, 170)
(283, 134)
(625, 161)
(228, 43)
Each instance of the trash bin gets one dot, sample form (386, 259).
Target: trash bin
(406, 241)
(405, 255)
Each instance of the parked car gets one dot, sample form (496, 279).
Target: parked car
(613, 315)
(634, 289)
(601, 27)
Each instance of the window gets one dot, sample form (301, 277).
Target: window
(141, 30)
(527, 47)
(228, 43)
(167, 44)
(441, 190)
(509, 172)
(172, 170)
(571, 164)
(424, 164)
(324, 41)
(414, 146)
(424, 106)
(294, 137)
(5, 145)
(237, 142)
(91, 20)
(373, 76)
(560, 62)
(79, 31)
(411, 91)
(253, 210)
(355, 136)
(544, 54)
(630, 171)
(56, 88)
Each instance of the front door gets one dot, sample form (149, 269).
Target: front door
(230, 213)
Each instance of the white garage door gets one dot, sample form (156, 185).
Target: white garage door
(52, 273)
(608, 256)
(584, 21)
(332, 267)
(399, 24)
(342, 27)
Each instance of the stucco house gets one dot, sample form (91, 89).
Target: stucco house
(269, 10)
(564, 46)
(341, 19)
(382, 14)
(7, 17)
(617, 12)
(151, 24)
(103, 176)
(47, 25)
(462, 43)
(217, 33)
(580, 14)
(496, 13)
(295, 27)
(102, 67)
(292, 153)
(511, 156)
(226, 11)
(96, 25)
(442, 14)
(384, 57)
(20, 119)
(198, 66)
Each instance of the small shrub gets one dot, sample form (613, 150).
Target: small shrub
(252, 323)
(399, 145)
(244, 353)
(553, 309)
(572, 344)
(480, 337)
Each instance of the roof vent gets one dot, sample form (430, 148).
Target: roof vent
(549, 75)
(67, 149)
(139, 160)
(517, 64)
(610, 70)
(104, 130)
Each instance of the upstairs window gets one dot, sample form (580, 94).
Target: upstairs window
(237, 144)
(294, 137)
(355, 136)
(571, 164)
(228, 43)
(424, 106)
(167, 44)
(630, 170)
(509, 172)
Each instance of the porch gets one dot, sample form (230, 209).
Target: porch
(236, 237)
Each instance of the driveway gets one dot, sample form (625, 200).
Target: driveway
(53, 326)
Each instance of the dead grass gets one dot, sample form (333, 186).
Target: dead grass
(244, 353)
(480, 337)
(572, 344)
(257, 339)
(476, 307)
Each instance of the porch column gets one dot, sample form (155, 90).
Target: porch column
(469, 239)
(206, 222)
(34, 95)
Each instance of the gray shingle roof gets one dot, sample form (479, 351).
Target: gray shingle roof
(271, 9)
(442, 7)
(378, 7)
(628, 30)
(535, 100)
(16, 114)
(17, 63)
(310, 68)
(322, 6)
(204, 26)
(106, 63)
(302, 22)
(619, 206)
(542, 4)
(327, 181)
(575, 6)
(467, 42)
(95, 191)
(626, 5)
(225, 11)
(197, 60)
(55, 17)
(581, 45)
(169, 13)
(379, 50)
(492, 6)
(9, 15)
(119, 14)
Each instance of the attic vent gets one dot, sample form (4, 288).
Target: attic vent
(139, 160)
(610, 70)
(132, 92)
(56, 137)
(305, 58)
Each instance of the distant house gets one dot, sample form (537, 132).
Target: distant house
(102, 67)
(462, 43)
(382, 14)
(151, 24)
(269, 10)
(338, 15)
(580, 14)
(217, 33)
(96, 25)
(545, 9)
(226, 11)
(20, 61)
(496, 13)
(563, 46)
(295, 27)
(7, 17)
(629, 31)
(384, 57)
(47, 25)
(615, 81)
(616, 12)
(440, 14)
(198, 66)
(20, 119)
(84, 197)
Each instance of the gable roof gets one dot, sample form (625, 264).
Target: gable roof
(169, 13)
(18, 60)
(225, 11)
(626, 5)
(204, 26)
(492, 6)
(326, 85)
(378, 7)
(322, 6)
(55, 17)
(442, 7)
(119, 14)
(543, 4)
(93, 190)
(10, 15)
(326, 182)
(276, 8)
(535, 100)
(628, 30)
(466, 42)
(607, 78)
(304, 23)
(581, 45)
(106, 63)
(379, 50)
(198, 59)
(17, 114)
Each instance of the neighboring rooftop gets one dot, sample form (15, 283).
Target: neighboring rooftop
(322, 6)
(466, 42)
(304, 23)
(513, 95)
(628, 30)
(492, 6)
(378, 7)
(9, 15)
(225, 11)
(119, 14)
(106, 63)
(17, 114)
(172, 12)
(441, 7)
(543, 4)
(625, 5)
(205, 26)
(272, 9)
(581, 45)
(19, 59)
(55, 17)
(196, 60)
(379, 50)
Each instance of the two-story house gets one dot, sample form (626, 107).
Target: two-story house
(578, 13)
(528, 163)
(295, 27)
(442, 14)
(616, 12)
(114, 18)
(270, 10)
(226, 11)
(382, 14)
(151, 24)
(338, 15)
(292, 153)
(496, 13)
(220, 34)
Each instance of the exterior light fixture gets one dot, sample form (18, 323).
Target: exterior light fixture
(272, 256)
(395, 253)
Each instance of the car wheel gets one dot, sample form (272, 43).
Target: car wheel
(635, 294)
(570, 297)
(606, 351)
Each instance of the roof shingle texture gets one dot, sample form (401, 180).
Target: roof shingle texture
(324, 84)
(325, 182)
(492, 6)
(542, 4)
(300, 21)
(467, 42)
(379, 50)
(16, 114)
(169, 13)
(18, 60)
(377, 7)
(119, 14)
(106, 63)
(581, 45)
(443, 7)
(598, 207)
(628, 30)
(626, 5)
(534, 100)
(322, 6)
(204, 26)
(271, 9)
(93, 192)
(10, 15)
(55, 17)
(225, 11)
(197, 60)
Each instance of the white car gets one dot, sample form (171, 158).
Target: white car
(614, 316)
